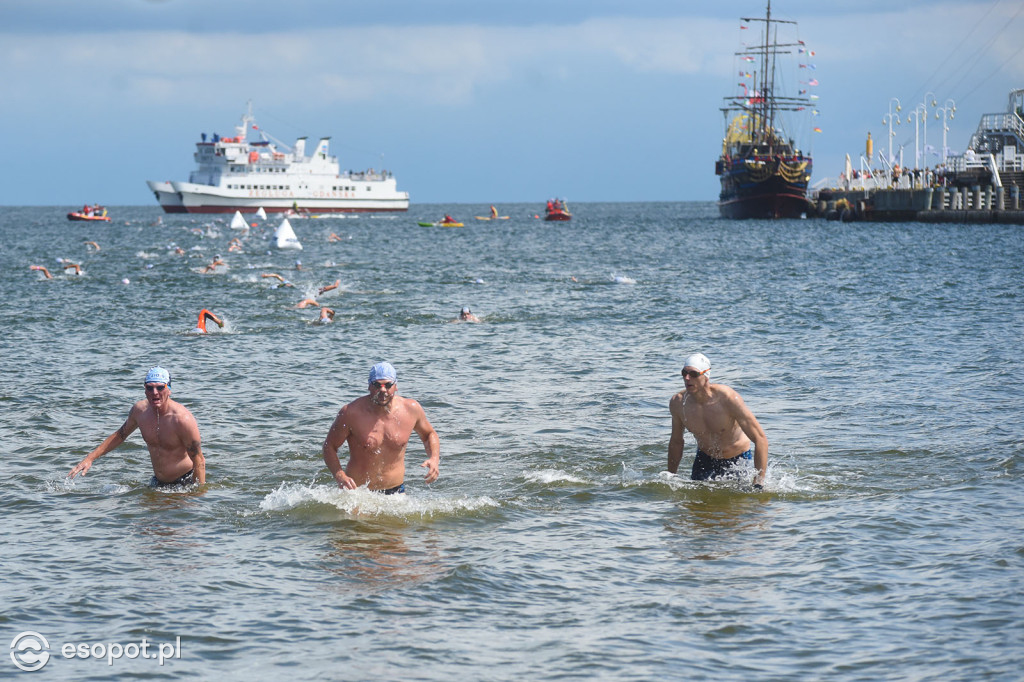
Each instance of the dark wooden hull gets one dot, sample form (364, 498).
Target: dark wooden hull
(764, 193)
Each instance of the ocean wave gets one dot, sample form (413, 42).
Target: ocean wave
(549, 476)
(364, 502)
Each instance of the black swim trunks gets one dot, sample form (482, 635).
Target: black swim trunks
(706, 467)
(393, 491)
(185, 479)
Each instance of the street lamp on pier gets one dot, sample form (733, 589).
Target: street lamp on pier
(888, 119)
(924, 105)
(919, 110)
(947, 109)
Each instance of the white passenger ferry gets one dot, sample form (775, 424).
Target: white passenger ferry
(238, 174)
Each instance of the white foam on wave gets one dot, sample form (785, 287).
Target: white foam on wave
(363, 502)
(622, 279)
(776, 482)
(549, 476)
(68, 484)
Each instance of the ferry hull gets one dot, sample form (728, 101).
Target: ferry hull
(175, 197)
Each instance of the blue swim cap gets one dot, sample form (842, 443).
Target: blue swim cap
(158, 375)
(383, 370)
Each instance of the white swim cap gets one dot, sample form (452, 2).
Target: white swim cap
(158, 375)
(698, 361)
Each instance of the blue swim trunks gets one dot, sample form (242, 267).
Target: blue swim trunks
(393, 491)
(706, 467)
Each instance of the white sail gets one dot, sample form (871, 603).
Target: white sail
(261, 213)
(285, 236)
(238, 222)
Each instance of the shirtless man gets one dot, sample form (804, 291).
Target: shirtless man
(720, 421)
(170, 432)
(377, 427)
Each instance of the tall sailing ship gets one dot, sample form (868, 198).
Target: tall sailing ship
(763, 173)
(238, 174)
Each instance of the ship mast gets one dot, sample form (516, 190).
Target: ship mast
(765, 104)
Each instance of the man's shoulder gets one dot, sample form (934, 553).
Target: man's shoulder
(726, 394)
(359, 403)
(411, 405)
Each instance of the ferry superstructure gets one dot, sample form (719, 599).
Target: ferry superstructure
(238, 174)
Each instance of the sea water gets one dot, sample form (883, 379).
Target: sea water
(884, 361)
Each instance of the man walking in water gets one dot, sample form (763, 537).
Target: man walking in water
(377, 427)
(170, 432)
(720, 421)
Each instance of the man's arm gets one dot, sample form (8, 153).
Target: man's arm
(110, 443)
(752, 429)
(675, 441)
(193, 447)
(431, 443)
(337, 435)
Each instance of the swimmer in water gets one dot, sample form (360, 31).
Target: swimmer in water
(377, 427)
(719, 420)
(213, 266)
(333, 238)
(466, 315)
(205, 315)
(284, 282)
(170, 431)
(93, 245)
(326, 315)
(329, 287)
(68, 265)
(42, 269)
(307, 302)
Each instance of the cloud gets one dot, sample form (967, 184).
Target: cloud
(437, 64)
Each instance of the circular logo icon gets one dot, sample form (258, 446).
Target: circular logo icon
(30, 651)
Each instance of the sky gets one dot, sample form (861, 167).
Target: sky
(473, 101)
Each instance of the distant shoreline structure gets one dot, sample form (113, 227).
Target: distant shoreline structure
(982, 185)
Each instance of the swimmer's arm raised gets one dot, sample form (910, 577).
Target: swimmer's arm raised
(111, 442)
(337, 435)
(675, 441)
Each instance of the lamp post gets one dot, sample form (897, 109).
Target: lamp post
(916, 113)
(924, 104)
(888, 119)
(947, 109)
